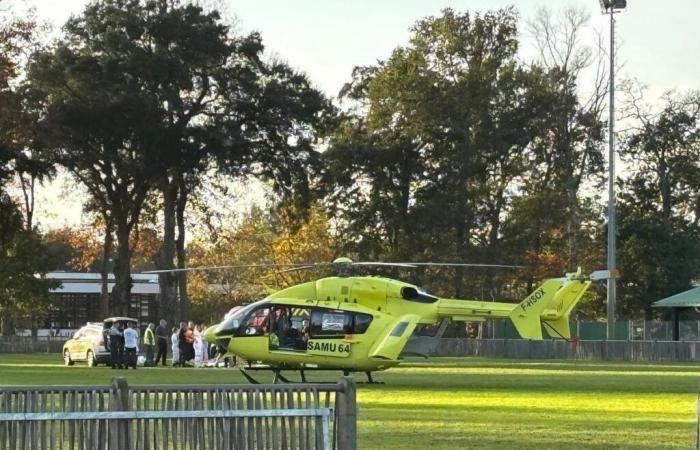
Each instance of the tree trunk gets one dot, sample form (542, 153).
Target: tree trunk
(460, 233)
(121, 293)
(166, 255)
(665, 188)
(107, 247)
(7, 324)
(28, 188)
(180, 246)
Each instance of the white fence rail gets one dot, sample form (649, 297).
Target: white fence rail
(121, 417)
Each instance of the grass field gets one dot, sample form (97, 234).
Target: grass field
(472, 403)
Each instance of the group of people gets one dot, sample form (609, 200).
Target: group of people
(187, 344)
(123, 345)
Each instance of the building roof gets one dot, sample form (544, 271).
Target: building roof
(687, 299)
(90, 283)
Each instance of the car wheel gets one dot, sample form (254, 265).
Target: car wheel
(66, 358)
(91, 359)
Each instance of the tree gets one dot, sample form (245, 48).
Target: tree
(568, 153)
(171, 90)
(275, 237)
(24, 261)
(23, 257)
(659, 224)
(439, 137)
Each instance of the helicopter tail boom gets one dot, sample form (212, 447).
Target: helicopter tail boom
(549, 305)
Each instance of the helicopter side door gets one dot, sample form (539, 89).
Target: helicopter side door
(327, 332)
(289, 328)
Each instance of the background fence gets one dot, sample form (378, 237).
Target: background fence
(625, 330)
(29, 344)
(557, 349)
(122, 417)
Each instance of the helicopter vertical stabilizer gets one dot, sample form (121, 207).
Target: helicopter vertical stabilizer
(526, 315)
(556, 320)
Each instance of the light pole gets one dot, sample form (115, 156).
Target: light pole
(609, 7)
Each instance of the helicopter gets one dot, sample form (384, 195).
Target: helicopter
(362, 323)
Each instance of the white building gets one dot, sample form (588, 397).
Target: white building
(77, 300)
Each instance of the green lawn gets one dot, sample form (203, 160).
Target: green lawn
(472, 403)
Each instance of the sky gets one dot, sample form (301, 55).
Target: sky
(327, 38)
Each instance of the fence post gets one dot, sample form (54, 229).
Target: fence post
(119, 401)
(697, 431)
(346, 413)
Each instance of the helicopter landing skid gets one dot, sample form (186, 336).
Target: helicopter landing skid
(279, 378)
(370, 380)
(247, 376)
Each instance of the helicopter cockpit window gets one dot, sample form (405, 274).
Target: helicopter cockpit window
(416, 295)
(233, 320)
(257, 323)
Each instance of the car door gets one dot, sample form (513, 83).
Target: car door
(77, 350)
(92, 338)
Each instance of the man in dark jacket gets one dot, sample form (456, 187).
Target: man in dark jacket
(115, 336)
(162, 338)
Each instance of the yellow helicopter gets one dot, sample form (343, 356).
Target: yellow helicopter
(362, 323)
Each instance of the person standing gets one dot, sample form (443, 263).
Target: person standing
(189, 341)
(175, 341)
(131, 345)
(182, 345)
(162, 338)
(149, 342)
(198, 347)
(120, 347)
(114, 337)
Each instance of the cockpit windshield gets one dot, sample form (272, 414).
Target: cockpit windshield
(234, 319)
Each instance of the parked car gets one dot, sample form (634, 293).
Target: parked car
(91, 343)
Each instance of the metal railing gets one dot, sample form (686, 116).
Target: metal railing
(123, 417)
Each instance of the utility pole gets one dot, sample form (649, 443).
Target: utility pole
(609, 7)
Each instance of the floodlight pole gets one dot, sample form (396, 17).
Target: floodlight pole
(612, 226)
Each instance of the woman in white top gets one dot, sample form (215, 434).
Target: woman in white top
(175, 347)
(198, 353)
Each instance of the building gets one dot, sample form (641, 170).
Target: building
(77, 300)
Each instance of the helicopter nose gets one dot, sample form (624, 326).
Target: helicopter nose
(210, 333)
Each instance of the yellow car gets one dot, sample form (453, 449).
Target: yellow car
(91, 343)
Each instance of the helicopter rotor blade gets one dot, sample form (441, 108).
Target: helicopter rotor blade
(387, 264)
(425, 264)
(294, 269)
(237, 266)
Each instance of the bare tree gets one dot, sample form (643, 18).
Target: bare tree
(577, 128)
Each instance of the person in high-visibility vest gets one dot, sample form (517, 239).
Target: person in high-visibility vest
(149, 341)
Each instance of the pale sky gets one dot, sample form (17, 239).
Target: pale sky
(327, 38)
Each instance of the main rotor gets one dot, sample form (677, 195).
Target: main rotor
(342, 266)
